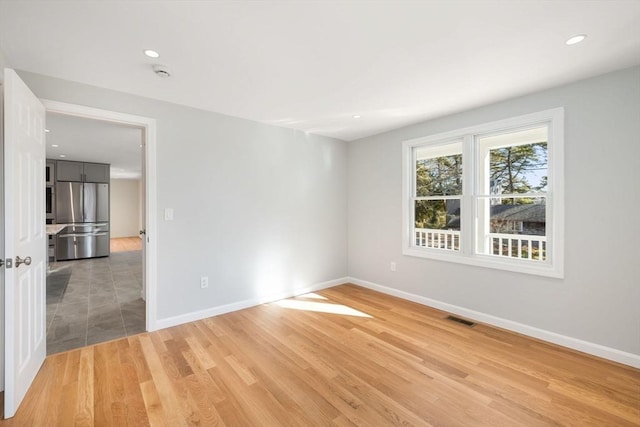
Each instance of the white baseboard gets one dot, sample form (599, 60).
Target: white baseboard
(619, 356)
(228, 308)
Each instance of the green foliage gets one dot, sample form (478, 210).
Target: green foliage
(512, 167)
(431, 214)
(440, 176)
(511, 170)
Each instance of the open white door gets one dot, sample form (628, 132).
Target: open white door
(25, 239)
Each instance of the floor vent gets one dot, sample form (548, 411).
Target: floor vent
(465, 322)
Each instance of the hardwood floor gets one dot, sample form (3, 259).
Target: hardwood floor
(125, 244)
(382, 361)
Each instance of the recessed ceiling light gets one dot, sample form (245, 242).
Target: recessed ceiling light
(47, 130)
(151, 53)
(576, 39)
(62, 155)
(356, 116)
(55, 145)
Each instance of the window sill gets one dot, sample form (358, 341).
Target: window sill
(519, 266)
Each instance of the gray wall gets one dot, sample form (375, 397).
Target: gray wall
(3, 64)
(598, 299)
(259, 209)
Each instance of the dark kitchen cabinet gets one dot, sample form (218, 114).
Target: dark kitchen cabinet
(82, 172)
(96, 172)
(69, 171)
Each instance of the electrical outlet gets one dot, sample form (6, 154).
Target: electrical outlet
(392, 266)
(204, 282)
(168, 214)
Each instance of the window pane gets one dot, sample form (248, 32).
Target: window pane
(439, 176)
(517, 227)
(518, 161)
(437, 224)
(519, 216)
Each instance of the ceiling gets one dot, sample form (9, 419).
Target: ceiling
(89, 140)
(313, 65)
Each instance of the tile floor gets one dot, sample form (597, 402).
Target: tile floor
(94, 300)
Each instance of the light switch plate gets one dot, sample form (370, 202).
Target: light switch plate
(168, 214)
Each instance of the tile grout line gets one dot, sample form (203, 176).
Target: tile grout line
(91, 269)
(115, 290)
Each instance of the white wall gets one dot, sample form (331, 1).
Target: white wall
(124, 208)
(598, 301)
(259, 209)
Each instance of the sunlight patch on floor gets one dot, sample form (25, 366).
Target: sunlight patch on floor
(320, 307)
(311, 295)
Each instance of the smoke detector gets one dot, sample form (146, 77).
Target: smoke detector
(161, 71)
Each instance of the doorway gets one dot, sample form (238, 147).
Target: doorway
(99, 299)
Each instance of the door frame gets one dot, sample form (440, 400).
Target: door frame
(3, 321)
(148, 126)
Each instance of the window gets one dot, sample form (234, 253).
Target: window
(438, 188)
(490, 195)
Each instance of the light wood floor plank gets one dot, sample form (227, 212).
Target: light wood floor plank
(152, 404)
(84, 402)
(388, 362)
(126, 244)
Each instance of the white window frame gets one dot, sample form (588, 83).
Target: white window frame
(553, 266)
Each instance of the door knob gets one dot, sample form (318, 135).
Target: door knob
(25, 261)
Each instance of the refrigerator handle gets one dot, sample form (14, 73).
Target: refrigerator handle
(82, 203)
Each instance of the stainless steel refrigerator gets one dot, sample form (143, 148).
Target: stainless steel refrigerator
(85, 208)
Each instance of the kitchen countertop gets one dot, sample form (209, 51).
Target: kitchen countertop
(53, 229)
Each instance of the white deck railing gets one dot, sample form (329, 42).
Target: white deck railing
(439, 239)
(522, 246)
(518, 246)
